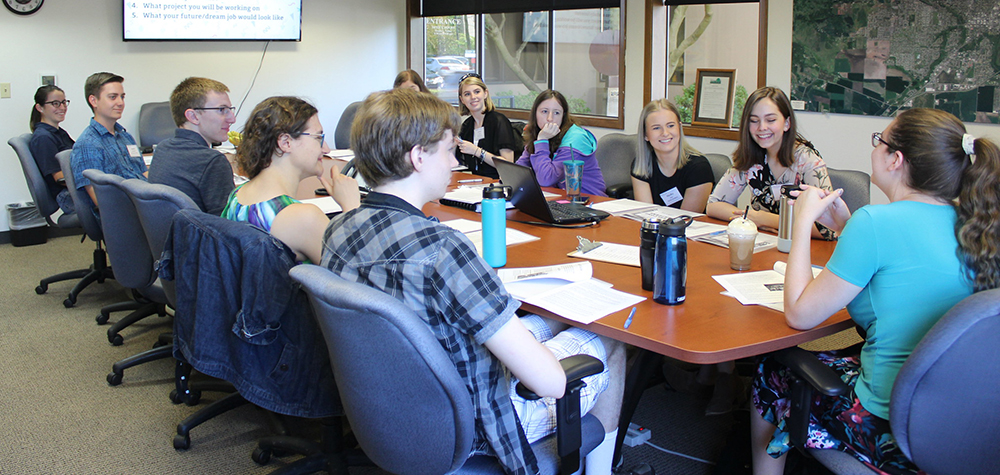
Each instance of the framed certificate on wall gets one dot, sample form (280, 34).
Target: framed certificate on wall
(713, 97)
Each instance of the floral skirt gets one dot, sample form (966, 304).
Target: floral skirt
(839, 423)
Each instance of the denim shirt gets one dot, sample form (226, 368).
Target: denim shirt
(241, 318)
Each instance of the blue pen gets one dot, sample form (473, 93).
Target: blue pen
(628, 321)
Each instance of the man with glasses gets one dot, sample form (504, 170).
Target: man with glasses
(203, 113)
(104, 144)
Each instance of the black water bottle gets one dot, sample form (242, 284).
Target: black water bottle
(647, 250)
(670, 262)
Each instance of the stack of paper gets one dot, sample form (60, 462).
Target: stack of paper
(568, 290)
(766, 287)
(638, 211)
(474, 231)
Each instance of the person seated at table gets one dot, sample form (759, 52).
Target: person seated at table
(409, 79)
(487, 134)
(897, 267)
(48, 139)
(202, 111)
(770, 152)
(283, 143)
(666, 170)
(552, 137)
(405, 149)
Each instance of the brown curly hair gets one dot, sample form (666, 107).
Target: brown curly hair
(272, 118)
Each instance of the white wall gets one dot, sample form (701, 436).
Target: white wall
(348, 49)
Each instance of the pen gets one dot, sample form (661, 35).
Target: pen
(628, 321)
(474, 180)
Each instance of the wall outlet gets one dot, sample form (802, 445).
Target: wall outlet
(4, 90)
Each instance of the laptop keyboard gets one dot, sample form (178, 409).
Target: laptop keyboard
(566, 211)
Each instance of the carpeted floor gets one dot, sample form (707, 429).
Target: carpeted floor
(63, 417)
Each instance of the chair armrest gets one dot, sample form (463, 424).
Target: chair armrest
(810, 369)
(576, 368)
(620, 190)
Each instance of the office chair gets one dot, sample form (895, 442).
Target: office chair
(155, 124)
(342, 134)
(943, 409)
(518, 126)
(720, 164)
(99, 270)
(128, 250)
(857, 187)
(415, 415)
(615, 153)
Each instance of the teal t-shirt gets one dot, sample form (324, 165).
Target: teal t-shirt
(905, 257)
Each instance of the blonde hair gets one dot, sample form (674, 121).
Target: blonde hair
(645, 156)
(474, 81)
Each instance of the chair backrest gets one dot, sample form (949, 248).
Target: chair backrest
(412, 415)
(944, 406)
(518, 126)
(615, 153)
(720, 163)
(156, 205)
(342, 134)
(123, 234)
(857, 186)
(33, 176)
(81, 200)
(155, 123)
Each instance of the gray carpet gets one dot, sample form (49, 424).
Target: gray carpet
(62, 417)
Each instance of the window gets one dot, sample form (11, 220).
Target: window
(580, 56)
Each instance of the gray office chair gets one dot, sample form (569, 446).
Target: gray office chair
(615, 153)
(720, 164)
(857, 186)
(99, 270)
(943, 409)
(128, 250)
(415, 415)
(342, 134)
(155, 124)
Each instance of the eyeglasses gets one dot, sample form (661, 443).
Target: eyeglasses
(877, 138)
(224, 110)
(321, 137)
(64, 102)
(471, 75)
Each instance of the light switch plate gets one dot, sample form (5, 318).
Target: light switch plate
(4, 90)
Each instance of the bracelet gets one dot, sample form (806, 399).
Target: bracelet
(482, 154)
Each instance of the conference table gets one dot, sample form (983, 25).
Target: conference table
(706, 328)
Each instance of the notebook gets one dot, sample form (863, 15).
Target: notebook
(526, 195)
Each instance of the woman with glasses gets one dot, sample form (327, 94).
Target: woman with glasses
(283, 143)
(770, 152)
(48, 139)
(487, 134)
(552, 137)
(409, 79)
(897, 267)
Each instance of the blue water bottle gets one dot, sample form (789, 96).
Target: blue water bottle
(494, 218)
(670, 262)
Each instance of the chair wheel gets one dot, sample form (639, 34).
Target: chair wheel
(116, 339)
(182, 442)
(174, 398)
(41, 289)
(69, 302)
(102, 319)
(261, 456)
(114, 379)
(194, 397)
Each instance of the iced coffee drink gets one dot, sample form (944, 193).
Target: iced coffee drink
(742, 234)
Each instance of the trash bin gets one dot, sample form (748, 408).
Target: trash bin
(27, 226)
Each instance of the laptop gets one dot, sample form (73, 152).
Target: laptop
(526, 195)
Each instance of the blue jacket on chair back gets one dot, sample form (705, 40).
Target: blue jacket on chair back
(241, 318)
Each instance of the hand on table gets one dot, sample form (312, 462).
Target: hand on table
(548, 131)
(342, 188)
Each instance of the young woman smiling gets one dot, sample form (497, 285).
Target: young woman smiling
(487, 134)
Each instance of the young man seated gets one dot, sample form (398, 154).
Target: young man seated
(404, 147)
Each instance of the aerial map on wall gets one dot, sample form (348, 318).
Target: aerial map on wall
(877, 57)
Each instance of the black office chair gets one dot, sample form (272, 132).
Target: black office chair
(99, 270)
(342, 134)
(615, 153)
(857, 186)
(518, 126)
(415, 415)
(720, 164)
(943, 409)
(156, 124)
(128, 250)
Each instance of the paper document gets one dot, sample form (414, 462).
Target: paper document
(624, 205)
(341, 154)
(662, 213)
(721, 239)
(575, 272)
(326, 203)
(766, 287)
(584, 301)
(611, 252)
(474, 231)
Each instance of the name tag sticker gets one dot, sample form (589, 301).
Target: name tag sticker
(671, 196)
(133, 151)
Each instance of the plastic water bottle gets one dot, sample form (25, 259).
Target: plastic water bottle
(670, 262)
(494, 218)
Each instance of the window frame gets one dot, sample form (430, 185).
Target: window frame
(654, 29)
